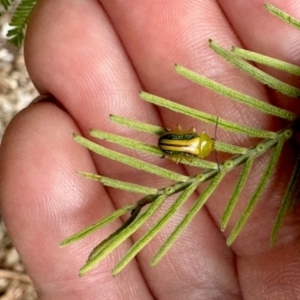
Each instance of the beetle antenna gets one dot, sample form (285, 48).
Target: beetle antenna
(216, 153)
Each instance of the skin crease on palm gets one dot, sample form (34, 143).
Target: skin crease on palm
(94, 57)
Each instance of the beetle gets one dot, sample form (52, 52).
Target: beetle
(177, 144)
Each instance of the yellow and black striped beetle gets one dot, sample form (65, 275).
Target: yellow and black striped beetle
(177, 144)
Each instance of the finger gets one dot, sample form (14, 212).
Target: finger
(90, 73)
(82, 96)
(100, 79)
(84, 89)
(43, 200)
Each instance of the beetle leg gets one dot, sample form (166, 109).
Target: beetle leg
(178, 128)
(192, 130)
(175, 159)
(178, 160)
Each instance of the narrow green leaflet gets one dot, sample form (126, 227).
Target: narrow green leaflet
(140, 126)
(228, 148)
(143, 241)
(267, 61)
(287, 201)
(121, 185)
(127, 232)
(132, 162)
(283, 16)
(259, 190)
(187, 219)
(208, 118)
(88, 230)
(126, 142)
(236, 193)
(255, 72)
(235, 95)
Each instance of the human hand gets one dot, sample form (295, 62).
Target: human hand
(94, 57)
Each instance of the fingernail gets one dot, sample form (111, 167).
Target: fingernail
(46, 98)
(42, 98)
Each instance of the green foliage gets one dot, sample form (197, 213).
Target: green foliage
(6, 3)
(212, 173)
(19, 20)
(184, 186)
(283, 16)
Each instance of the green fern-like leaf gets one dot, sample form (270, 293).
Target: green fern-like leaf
(19, 22)
(212, 173)
(6, 3)
(183, 186)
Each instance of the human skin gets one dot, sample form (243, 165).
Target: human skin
(94, 57)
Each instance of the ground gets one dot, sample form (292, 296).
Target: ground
(16, 92)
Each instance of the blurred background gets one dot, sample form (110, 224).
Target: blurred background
(16, 92)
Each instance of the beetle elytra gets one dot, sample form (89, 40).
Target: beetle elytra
(177, 144)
